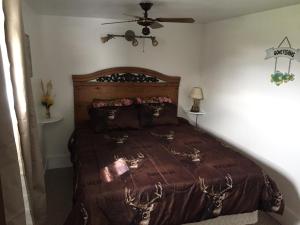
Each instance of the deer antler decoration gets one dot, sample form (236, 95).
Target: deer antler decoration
(276, 195)
(156, 109)
(195, 156)
(85, 215)
(134, 162)
(143, 209)
(169, 136)
(119, 140)
(217, 198)
(112, 114)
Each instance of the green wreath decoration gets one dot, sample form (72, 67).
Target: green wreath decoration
(279, 78)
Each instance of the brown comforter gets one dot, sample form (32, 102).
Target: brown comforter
(167, 175)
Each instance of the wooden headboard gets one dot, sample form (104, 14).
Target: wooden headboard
(120, 82)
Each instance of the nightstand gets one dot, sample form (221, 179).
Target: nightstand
(53, 119)
(196, 114)
(43, 122)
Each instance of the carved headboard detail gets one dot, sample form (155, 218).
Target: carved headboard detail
(120, 82)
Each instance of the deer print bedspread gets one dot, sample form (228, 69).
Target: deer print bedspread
(164, 175)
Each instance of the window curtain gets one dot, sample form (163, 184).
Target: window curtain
(2, 218)
(12, 202)
(25, 112)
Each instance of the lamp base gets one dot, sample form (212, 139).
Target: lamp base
(196, 106)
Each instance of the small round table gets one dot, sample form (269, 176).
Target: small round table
(44, 121)
(196, 114)
(53, 119)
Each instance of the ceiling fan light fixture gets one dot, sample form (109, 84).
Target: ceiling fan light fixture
(106, 38)
(135, 42)
(146, 31)
(154, 42)
(129, 35)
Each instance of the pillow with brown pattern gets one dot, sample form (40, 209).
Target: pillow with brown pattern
(157, 111)
(116, 114)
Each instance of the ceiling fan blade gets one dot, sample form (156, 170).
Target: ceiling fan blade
(125, 21)
(156, 25)
(176, 20)
(137, 17)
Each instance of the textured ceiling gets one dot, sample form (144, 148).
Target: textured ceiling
(203, 11)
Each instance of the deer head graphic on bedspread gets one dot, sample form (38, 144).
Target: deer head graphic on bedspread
(143, 209)
(216, 197)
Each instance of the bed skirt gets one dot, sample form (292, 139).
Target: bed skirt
(237, 219)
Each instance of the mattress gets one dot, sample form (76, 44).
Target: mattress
(164, 175)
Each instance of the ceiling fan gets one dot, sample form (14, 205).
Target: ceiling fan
(147, 22)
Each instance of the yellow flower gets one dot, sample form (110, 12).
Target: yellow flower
(46, 98)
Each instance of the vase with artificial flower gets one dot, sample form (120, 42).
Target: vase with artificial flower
(47, 99)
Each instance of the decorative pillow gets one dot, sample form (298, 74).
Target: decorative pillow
(118, 114)
(157, 111)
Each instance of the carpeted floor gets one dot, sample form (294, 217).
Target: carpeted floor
(59, 194)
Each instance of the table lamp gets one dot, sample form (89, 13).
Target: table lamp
(197, 95)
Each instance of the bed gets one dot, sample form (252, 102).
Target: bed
(158, 175)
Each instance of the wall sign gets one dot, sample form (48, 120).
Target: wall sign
(279, 77)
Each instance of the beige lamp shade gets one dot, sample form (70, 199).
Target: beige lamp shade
(196, 93)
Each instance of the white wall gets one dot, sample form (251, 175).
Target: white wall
(244, 107)
(69, 45)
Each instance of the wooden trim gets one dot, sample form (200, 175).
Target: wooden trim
(2, 215)
(85, 91)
